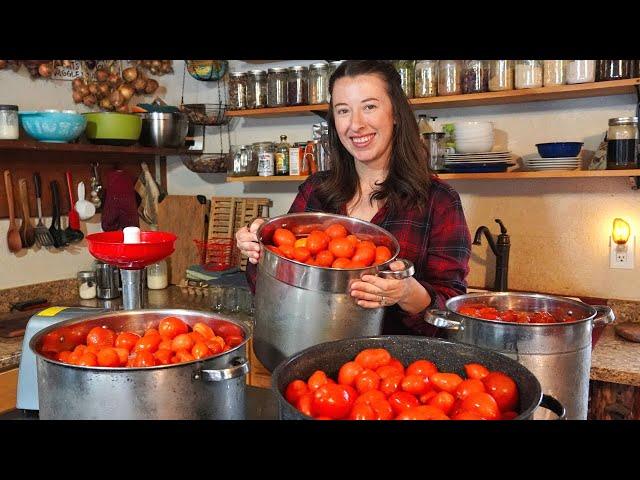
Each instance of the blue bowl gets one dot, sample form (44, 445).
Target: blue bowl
(559, 149)
(53, 126)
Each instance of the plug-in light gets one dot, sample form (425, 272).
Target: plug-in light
(621, 231)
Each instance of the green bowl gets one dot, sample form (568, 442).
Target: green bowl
(113, 128)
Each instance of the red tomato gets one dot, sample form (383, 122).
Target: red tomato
(510, 415)
(415, 384)
(184, 356)
(475, 370)
(151, 331)
(216, 344)
(391, 383)
(123, 355)
(422, 412)
(336, 230)
(197, 337)
(341, 263)
(464, 415)
(503, 389)
(143, 358)
(165, 344)
(401, 401)
(171, 326)
(378, 402)
(203, 329)
(108, 357)
(101, 337)
(388, 371)
(332, 400)
(353, 239)
(469, 386)
(282, 236)
(468, 310)
(287, 250)
(367, 380)
(383, 254)
(373, 358)
(304, 404)
(233, 340)
(317, 241)
(301, 254)
(64, 356)
(127, 340)
(425, 397)
(325, 258)
(225, 329)
(316, 380)
(300, 243)
(275, 250)
(446, 381)
(422, 367)
(341, 248)
(148, 343)
(482, 404)
(364, 255)
(362, 411)
(398, 364)
(182, 342)
(348, 373)
(295, 390)
(200, 350)
(88, 359)
(163, 356)
(443, 401)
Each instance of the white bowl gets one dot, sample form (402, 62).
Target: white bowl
(480, 126)
(474, 137)
(474, 147)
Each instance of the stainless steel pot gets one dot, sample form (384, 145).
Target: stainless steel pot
(448, 357)
(558, 354)
(164, 129)
(299, 305)
(203, 389)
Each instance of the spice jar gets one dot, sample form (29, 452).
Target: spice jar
(580, 71)
(281, 157)
(9, 129)
(87, 284)
(528, 74)
(426, 82)
(554, 73)
(406, 69)
(157, 276)
(333, 66)
(240, 161)
(277, 87)
(318, 83)
(474, 77)
(262, 153)
(622, 143)
(449, 77)
(256, 89)
(297, 85)
(500, 75)
(237, 91)
(613, 70)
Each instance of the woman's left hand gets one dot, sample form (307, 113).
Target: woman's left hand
(375, 292)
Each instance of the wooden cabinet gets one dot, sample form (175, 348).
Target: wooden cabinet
(613, 401)
(8, 389)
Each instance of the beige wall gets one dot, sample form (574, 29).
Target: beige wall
(559, 228)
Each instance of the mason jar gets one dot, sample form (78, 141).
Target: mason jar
(256, 89)
(500, 75)
(449, 73)
(333, 66)
(426, 82)
(318, 83)
(262, 153)
(237, 91)
(554, 73)
(474, 77)
(297, 85)
(613, 69)
(528, 74)
(241, 162)
(406, 69)
(9, 123)
(580, 71)
(277, 87)
(622, 143)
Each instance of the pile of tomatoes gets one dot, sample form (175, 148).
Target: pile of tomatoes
(376, 386)
(516, 316)
(173, 341)
(332, 247)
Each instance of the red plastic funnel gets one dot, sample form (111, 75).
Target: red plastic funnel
(109, 248)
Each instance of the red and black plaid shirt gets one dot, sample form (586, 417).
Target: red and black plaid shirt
(436, 241)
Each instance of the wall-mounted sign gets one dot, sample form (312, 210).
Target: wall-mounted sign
(67, 73)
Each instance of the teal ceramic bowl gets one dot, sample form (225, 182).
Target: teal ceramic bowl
(53, 126)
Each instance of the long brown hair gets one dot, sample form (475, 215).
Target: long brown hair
(408, 180)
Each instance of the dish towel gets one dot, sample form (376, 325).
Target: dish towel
(120, 207)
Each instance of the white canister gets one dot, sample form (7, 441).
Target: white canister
(9, 124)
(157, 276)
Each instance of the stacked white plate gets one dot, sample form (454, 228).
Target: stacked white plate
(472, 137)
(550, 163)
(480, 157)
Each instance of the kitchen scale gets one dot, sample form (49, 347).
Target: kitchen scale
(108, 247)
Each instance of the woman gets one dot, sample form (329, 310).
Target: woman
(380, 174)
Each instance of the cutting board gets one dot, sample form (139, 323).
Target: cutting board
(183, 215)
(13, 324)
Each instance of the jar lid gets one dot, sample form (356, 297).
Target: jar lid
(87, 275)
(623, 121)
(237, 74)
(257, 72)
(318, 66)
(9, 107)
(262, 144)
(240, 147)
(277, 70)
(336, 62)
(298, 68)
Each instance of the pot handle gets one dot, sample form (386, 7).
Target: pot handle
(239, 367)
(604, 316)
(440, 319)
(408, 271)
(554, 405)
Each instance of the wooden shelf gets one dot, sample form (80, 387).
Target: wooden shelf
(254, 179)
(32, 145)
(561, 92)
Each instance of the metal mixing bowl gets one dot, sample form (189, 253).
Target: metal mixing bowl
(164, 129)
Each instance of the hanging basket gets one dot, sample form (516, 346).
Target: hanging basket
(207, 70)
(206, 113)
(207, 163)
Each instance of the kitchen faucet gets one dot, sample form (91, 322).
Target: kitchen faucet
(500, 249)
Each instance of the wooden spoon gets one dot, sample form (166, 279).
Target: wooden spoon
(13, 235)
(27, 232)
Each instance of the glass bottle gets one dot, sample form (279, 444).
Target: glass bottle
(256, 89)
(157, 275)
(622, 143)
(277, 87)
(449, 77)
(297, 85)
(87, 288)
(580, 71)
(474, 77)
(281, 156)
(613, 70)
(406, 69)
(554, 73)
(237, 91)
(426, 82)
(263, 157)
(528, 74)
(9, 129)
(500, 75)
(318, 83)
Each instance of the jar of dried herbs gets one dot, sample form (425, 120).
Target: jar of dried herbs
(318, 83)
(554, 73)
(257, 89)
(406, 69)
(297, 85)
(277, 87)
(500, 75)
(449, 73)
(426, 82)
(474, 77)
(237, 91)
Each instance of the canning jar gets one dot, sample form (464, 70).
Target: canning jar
(9, 129)
(449, 77)
(474, 77)
(580, 71)
(157, 275)
(318, 83)
(613, 69)
(256, 89)
(622, 143)
(277, 87)
(333, 66)
(237, 91)
(426, 83)
(528, 74)
(406, 69)
(554, 73)
(87, 288)
(241, 162)
(500, 75)
(262, 153)
(297, 85)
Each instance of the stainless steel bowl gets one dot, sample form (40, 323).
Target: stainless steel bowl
(164, 129)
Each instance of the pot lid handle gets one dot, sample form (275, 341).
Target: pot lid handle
(240, 367)
(440, 319)
(604, 316)
(408, 271)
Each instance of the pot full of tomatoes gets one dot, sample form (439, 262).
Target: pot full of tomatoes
(307, 264)
(552, 336)
(143, 365)
(400, 377)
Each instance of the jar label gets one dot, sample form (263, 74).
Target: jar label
(265, 164)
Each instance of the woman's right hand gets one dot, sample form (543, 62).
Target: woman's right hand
(247, 240)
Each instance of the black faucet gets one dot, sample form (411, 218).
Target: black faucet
(500, 249)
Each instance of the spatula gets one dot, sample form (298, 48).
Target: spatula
(27, 232)
(13, 234)
(43, 235)
(74, 218)
(58, 235)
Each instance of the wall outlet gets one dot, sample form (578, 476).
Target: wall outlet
(621, 256)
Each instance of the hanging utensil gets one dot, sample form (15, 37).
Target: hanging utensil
(43, 235)
(72, 231)
(13, 234)
(27, 232)
(97, 190)
(85, 209)
(59, 236)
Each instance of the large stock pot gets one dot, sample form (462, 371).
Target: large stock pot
(212, 388)
(299, 305)
(558, 354)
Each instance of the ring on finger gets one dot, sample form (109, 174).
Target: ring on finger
(383, 300)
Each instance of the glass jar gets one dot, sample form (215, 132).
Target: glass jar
(277, 87)
(474, 77)
(449, 72)
(87, 288)
(237, 91)
(257, 89)
(406, 69)
(9, 124)
(240, 161)
(281, 157)
(157, 276)
(426, 82)
(613, 69)
(500, 75)
(622, 143)
(297, 85)
(554, 73)
(528, 74)
(262, 153)
(333, 66)
(318, 83)
(580, 71)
